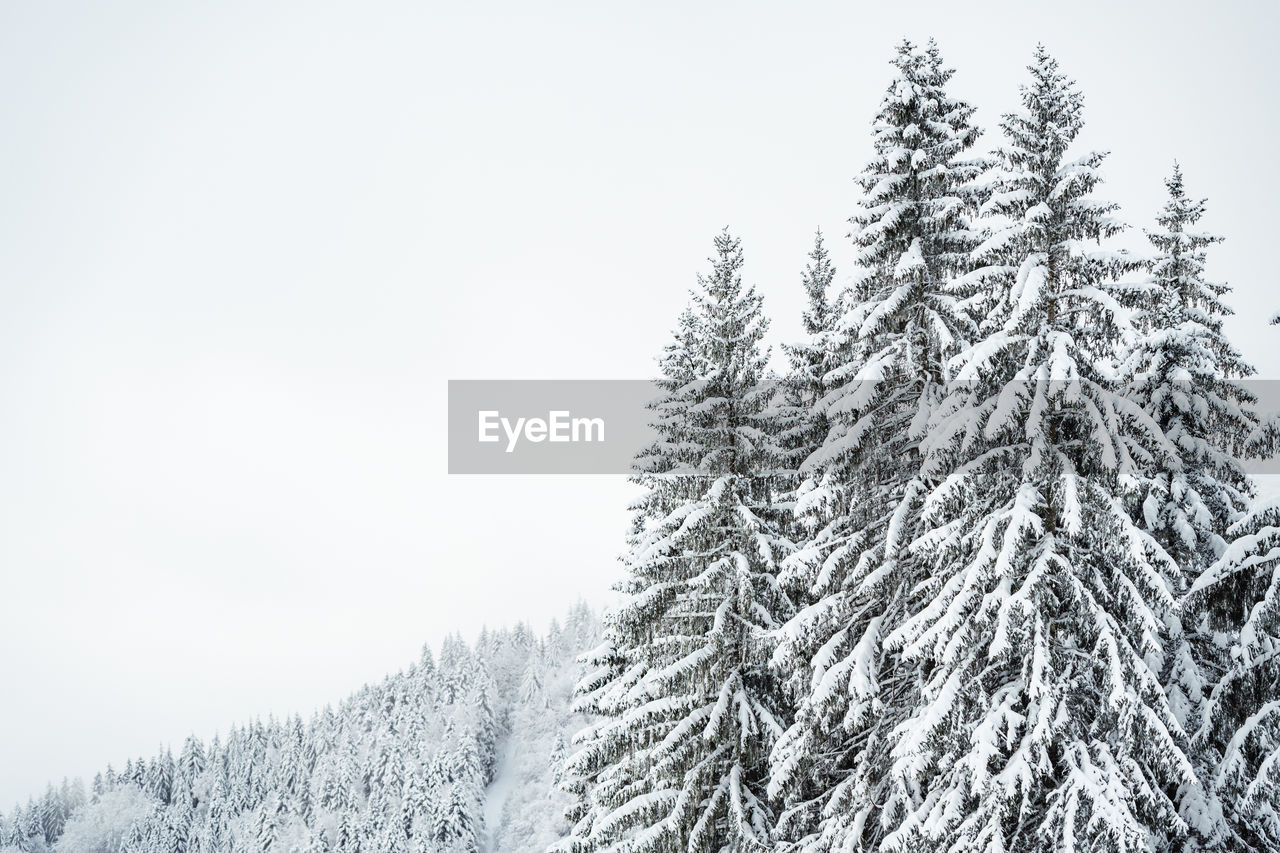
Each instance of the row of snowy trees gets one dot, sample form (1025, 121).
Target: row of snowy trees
(399, 766)
(985, 576)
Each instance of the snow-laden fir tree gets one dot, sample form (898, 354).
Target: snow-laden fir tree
(1238, 598)
(689, 708)
(1182, 370)
(1043, 723)
(802, 425)
(898, 325)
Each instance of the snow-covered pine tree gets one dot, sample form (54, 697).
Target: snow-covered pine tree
(1239, 598)
(1181, 369)
(531, 682)
(1043, 723)
(898, 325)
(191, 762)
(802, 425)
(689, 707)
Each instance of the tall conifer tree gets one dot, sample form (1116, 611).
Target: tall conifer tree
(899, 323)
(1182, 370)
(802, 423)
(1043, 723)
(689, 707)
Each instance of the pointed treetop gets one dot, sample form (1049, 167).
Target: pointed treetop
(1181, 210)
(817, 280)
(1054, 105)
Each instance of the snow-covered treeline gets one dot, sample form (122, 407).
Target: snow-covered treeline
(986, 575)
(416, 764)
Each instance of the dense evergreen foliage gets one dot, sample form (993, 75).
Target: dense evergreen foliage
(688, 705)
(1032, 610)
(899, 323)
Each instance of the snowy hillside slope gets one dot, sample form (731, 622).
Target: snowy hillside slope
(452, 755)
(523, 806)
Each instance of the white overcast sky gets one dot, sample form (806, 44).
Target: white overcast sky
(243, 245)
